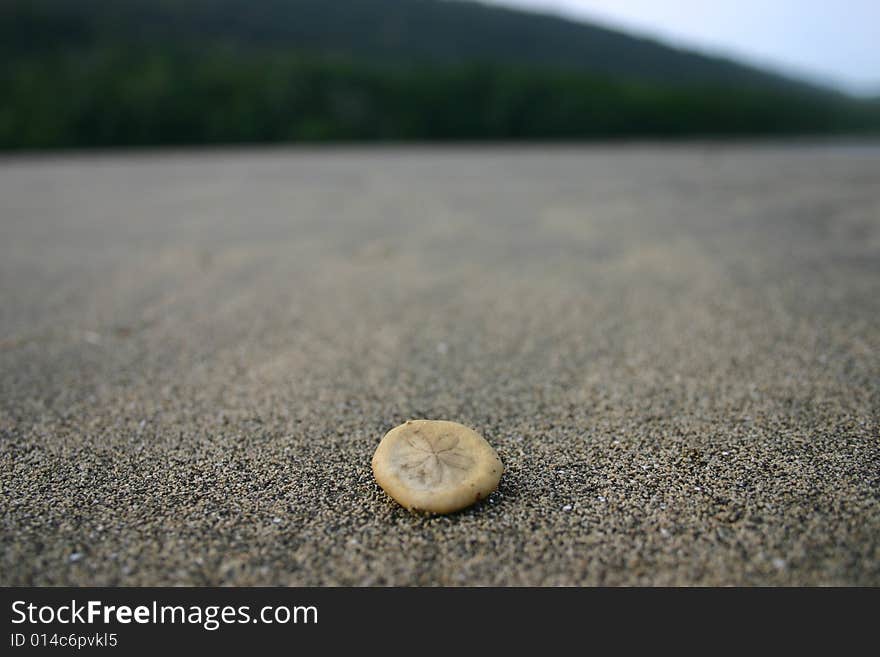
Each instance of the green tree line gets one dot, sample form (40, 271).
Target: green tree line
(125, 96)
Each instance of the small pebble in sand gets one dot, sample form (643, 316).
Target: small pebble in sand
(92, 337)
(436, 466)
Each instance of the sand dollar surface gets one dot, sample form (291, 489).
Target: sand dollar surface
(436, 466)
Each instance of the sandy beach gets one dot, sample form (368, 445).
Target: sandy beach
(675, 350)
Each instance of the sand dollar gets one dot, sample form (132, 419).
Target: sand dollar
(436, 466)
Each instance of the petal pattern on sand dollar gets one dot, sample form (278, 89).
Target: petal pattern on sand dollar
(426, 462)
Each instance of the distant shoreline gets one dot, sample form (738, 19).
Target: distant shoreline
(844, 144)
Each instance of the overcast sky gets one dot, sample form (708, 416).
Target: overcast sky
(832, 41)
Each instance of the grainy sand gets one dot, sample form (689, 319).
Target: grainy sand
(675, 351)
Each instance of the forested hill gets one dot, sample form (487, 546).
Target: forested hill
(82, 73)
(384, 31)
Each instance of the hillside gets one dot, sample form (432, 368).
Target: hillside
(201, 71)
(435, 31)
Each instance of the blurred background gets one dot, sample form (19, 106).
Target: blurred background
(98, 73)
